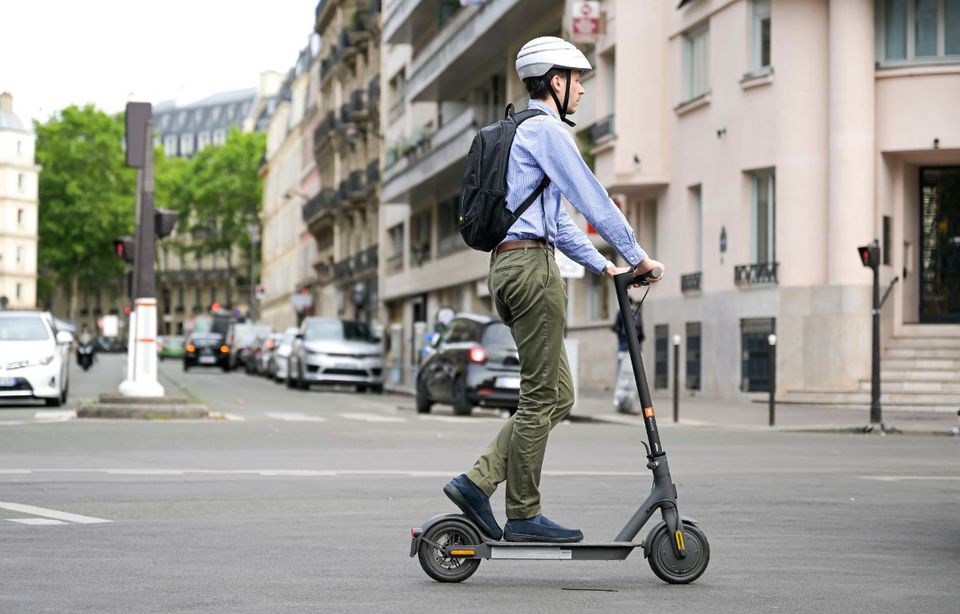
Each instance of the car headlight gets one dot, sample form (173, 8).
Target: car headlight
(21, 364)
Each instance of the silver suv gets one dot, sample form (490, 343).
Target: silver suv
(332, 351)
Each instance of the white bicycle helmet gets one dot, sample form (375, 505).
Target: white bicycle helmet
(538, 56)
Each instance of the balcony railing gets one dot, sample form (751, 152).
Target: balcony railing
(359, 111)
(763, 273)
(691, 282)
(355, 186)
(602, 130)
(343, 270)
(316, 205)
(373, 92)
(373, 174)
(365, 261)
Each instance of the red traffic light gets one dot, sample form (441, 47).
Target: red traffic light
(869, 255)
(127, 310)
(123, 248)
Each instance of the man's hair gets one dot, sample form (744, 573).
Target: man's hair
(539, 87)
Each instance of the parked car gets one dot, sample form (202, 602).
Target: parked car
(332, 351)
(206, 350)
(280, 358)
(475, 362)
(265, 356)
(34, 357)
(242, 338)
(170, 346)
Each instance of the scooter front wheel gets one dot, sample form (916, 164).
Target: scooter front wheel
(665, 563)
(436, 563)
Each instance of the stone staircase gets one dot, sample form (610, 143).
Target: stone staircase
(919, 370)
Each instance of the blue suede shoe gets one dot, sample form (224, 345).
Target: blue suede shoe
(539, 529)
(474, 503)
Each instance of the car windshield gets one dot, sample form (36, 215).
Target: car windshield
(203, 324)
(337, 330)
(173, 342)
(24, 328)
(498, 334)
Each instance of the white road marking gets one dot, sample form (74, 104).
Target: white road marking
(55, 416)
(48, 513)
(36, 521)
(225, 416)
(291, 417)
(414, 473)
(11, 422)
(371, 418)
(459, 419)
(909, 478)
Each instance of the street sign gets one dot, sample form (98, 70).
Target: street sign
(569, 268)
(585, 21)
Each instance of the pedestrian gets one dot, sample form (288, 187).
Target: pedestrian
(625, 391)
(529, 294)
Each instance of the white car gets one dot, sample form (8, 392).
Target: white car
(34, 357)
(280, 359)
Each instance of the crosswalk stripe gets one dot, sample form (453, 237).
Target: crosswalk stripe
(371, 418)
(36, 521)
(55, 416)
(460, 419)
(48, 513)
(291, 417)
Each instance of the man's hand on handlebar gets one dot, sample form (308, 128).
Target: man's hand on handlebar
(648, 265)
(616, 270)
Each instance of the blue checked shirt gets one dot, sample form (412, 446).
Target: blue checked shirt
(543, 145)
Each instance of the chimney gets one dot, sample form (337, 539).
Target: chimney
(6, 102)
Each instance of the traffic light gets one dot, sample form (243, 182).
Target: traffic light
(124, 248)
(164, 221)
(870, 255)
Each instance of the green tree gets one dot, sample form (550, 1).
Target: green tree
(86, 198)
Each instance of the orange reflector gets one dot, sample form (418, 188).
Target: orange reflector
(679, 537)
(224, 349)
(647, 412)
(191, 348)
(464, 552)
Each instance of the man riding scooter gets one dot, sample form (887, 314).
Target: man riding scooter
(529, 294)
(85, 349)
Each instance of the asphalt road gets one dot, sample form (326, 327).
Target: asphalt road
(303, 502)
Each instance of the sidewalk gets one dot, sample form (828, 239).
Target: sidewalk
(749, 415)
(720, 413)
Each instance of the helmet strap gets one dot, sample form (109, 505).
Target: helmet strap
(562, 109)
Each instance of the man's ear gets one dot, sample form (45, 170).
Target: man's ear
(556, 82)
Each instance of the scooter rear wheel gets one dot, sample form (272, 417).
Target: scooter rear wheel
(665, 563)
(444, 568)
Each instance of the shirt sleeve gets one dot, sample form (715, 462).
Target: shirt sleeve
(560, 159)
(575, 244)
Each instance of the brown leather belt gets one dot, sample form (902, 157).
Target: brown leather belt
(507, 246)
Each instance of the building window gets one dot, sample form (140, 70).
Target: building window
(420, 237)
(598, 297)
(761, 34)
(219, 137)
(696, 62)
(21, 182)
(918, 31)
(203, 139)
(763, 218)
(186, 144)
(170, 145)
(395, 260)
(19, 148)
(693, 356)
(755, 350)
(661, 347)
(20, 217)
(696, 200)
(19, 291)
(19, 254)
(448, 235)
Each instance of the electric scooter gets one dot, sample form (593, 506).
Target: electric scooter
(451, 546)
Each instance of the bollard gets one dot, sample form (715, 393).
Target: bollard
(772, 340)
(676, 378)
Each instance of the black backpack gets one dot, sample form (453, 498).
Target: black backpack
(482, 215)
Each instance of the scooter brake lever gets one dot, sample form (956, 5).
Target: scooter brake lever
(646, 447)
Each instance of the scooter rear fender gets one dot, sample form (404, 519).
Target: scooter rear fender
(416, 534)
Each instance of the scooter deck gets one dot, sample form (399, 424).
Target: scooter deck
(578, 551)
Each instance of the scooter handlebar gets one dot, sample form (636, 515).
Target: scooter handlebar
(630, 278)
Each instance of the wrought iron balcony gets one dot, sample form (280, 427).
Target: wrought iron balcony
(359, 111)
(602, 130)
(755, 274)
(691, 282)
(314, 207)
(347, 48)
(373, 91)
(344, 117)
(355, 186)
(343, 270)
(343, 193)
(373, 174)
(324, 271)
(365, 261)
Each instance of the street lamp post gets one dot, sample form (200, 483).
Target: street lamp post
(676, 378)
(772, 341)
(253, 230)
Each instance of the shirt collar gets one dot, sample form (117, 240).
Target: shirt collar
(539, 104)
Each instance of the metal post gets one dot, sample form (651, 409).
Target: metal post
(676, 378)
(772, 341)
(875, 411)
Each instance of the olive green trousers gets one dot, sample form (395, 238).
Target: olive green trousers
(530, 297)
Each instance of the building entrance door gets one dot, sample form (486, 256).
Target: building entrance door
(940, 244)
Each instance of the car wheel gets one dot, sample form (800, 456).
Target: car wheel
(54, 402)
(361, 388)
(186, 367)
(65, 394)
(423, 399)
(461, 405)
(376, 389)
(301, 380)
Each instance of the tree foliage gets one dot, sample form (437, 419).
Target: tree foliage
(87, 197)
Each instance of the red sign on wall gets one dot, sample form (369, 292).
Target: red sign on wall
(585, 21)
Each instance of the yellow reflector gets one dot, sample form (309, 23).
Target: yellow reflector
(679, 536)
(463, 552)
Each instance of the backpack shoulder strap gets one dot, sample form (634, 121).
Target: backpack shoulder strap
(519, 118)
